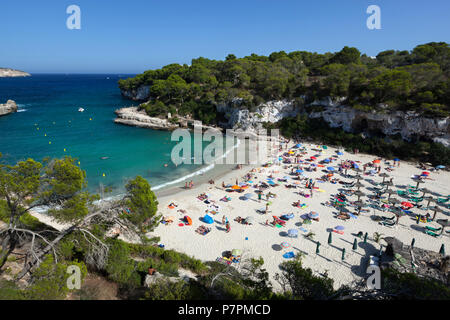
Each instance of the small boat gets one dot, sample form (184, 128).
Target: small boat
(104, 158)
(80, 110)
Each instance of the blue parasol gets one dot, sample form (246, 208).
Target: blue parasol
(340, 228)
(330, 168)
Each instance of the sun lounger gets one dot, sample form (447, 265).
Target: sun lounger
(387, 223)
(431, 233)
(401, 193)
(433, 229)
(388, 219)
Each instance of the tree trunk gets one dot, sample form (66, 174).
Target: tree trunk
(8, 245)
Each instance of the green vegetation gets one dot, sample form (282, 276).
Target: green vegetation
(142, 202)
(400, 80)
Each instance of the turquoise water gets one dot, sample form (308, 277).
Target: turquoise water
(48, 122)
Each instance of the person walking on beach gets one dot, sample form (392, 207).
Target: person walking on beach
(223, 219)
(228, 227)
(311, 192)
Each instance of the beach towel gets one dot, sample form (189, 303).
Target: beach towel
(303, 229)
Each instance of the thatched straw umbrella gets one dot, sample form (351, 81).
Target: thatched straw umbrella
(419, 181)
(359, 205)
(358, 185)
(387, 183)
(425, 191)
(430, 199)
(359, 194)
(390, 192)
(359, 177)
(384, 175)
(436, 209)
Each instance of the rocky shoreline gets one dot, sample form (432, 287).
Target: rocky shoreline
(7, 73)
(409, 125)
(9, 107)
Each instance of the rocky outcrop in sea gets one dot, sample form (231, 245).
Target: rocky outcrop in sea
(409, 125)
(7, 72)
(9, 107)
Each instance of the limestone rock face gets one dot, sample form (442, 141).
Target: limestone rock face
(6, 73)
(7, 108)
(133, 117)
(241, 118)
(142, 93)
(408, 124)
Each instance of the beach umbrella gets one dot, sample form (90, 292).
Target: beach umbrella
(396, 159)
(235, 187)
(355, 245)
(387, 183)
(419, 181)
(325, 147)
(430, 199)
(330, 239)
(286, 177)
(358, 185)
(440, 167)
(313, 215)
(208, 219)
(426, 173)
(313, 158)
(376, 161)
(293, 233)
(359, 205)
(326, 160)
(285, 244)
(299, 170)
(390, 192)
(317, 247)
(339, 228)
(436, 210)
(359, 194)
(339, 153)
(236, 252)
(355, 166)
(330, 169)
(394, 201)
(343, 254)
(407, 204)
(188, 220)
(384, 175)
(425, 191)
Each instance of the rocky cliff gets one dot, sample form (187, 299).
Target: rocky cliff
(241, 118)
(133, 117)
(6, 72)
(409, 125)
(7, 108)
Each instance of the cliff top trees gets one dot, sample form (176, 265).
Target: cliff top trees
(398, 78)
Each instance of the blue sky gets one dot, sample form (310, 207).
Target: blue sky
(135, 35)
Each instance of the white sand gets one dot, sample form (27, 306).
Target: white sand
(263, 240)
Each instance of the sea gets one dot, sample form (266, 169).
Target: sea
(48, 124)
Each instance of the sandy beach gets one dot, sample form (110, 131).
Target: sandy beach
(261, 240)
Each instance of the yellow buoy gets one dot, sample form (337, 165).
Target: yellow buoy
(79, 163)
(64, 149)
(49, 142)
(45, 134)
(37, 128)
(90, 119)
(103, 174)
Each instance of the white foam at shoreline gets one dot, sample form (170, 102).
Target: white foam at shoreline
(188, 176)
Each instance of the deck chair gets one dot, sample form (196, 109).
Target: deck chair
(401, 193)
(433, 229)
(387, 223)
(431, 233)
